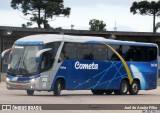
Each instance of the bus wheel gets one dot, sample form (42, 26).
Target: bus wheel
(57, 88)
(134, 88)
(97, 92)
(108, 92)
(124, 87)
(30, 92)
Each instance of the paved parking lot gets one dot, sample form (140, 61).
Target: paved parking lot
(77, 97)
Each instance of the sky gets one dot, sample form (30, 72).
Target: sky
(112, 12)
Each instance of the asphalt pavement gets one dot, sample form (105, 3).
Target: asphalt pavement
(79, 97)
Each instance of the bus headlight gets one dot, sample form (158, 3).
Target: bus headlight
(7, 79)
(33, 80)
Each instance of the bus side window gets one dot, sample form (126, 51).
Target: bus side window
(100, 52)
(68, 52)
(130, 54)
(84, 51)
(63, 56)
(138, 54)
(46, 62)
(113, 56)
(152, 53)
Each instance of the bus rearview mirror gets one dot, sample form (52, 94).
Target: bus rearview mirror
(4, 54)
(39, 54)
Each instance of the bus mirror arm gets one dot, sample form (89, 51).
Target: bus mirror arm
(39, 54)
(4, 53)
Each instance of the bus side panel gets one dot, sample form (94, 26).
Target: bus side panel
(107, 75)
(89, 74)
(65, 71)
(111, 78)
(146, 72)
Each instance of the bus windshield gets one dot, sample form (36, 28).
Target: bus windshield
(22, 60)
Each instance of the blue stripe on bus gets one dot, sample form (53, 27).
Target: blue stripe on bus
(22, 78)
(29, 43)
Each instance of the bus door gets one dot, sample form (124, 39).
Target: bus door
(46, 71)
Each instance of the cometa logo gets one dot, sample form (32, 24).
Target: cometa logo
(79, 65)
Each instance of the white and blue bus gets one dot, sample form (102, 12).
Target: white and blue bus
(50, 62)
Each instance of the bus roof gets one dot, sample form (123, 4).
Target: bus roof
(47, 38)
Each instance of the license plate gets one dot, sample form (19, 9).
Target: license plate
(19, 86)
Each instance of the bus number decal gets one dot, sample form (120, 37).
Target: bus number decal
(154, 65)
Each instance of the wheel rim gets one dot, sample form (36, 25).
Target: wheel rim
(59, 88)
(135, 87)
(124, 88)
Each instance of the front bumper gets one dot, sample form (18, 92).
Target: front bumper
(23, 85)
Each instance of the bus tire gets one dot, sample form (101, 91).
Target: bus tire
(57, 88)
(134, 88)
(97, 92)
(124, 88)
(108, 92)
(30, 92)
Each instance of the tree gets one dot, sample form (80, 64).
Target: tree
(157, 26)
(97, 25)
(24, 26)
(146, 8)
(41, 11)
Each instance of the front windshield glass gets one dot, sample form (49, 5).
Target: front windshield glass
(22, 60)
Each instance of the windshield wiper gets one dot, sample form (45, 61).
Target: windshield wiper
(10, 70)
(24, 67)
(18, 63)
(18, 69)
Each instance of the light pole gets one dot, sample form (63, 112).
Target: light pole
(72, 26)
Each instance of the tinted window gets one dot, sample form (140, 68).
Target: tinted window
(149, 54)
(49, 56)
(54, 46)
(46, 62)
(100, 52)
(124, 51)
(68, 51)
(139, 53)
(112, 55)
(84, 51)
